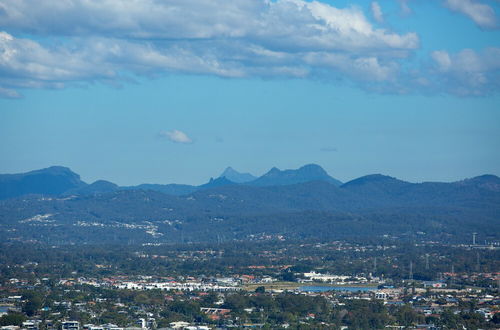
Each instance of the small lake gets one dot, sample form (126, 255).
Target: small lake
(337, 288)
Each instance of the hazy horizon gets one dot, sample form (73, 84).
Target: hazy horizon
(217, 175)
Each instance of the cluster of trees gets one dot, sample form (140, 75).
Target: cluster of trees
(390, 259)
(16, 319)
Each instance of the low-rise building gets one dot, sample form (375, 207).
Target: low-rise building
(70, 325)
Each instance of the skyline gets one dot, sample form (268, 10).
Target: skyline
(255, 177)
(175, 91)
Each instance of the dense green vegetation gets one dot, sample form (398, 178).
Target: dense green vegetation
(381, 258)
(370, 206)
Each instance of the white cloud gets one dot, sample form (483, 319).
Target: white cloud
(442, 59)
(404, 7)
(9, 93)
(362, 68)
(111, 40)
(377, 12)
(177, 136)
(466, 73)
(276, 25)
(482, 14)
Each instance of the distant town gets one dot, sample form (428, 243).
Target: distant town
(270, 285)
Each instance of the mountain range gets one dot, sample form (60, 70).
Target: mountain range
(55, 205)
(57, 180)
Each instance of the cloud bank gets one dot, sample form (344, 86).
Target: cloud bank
(112, 41)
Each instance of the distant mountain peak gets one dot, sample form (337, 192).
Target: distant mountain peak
(235, 176)
(228, 171)
(53, 170)
(376, 177)
(376, 183)
(306, 173)
(486, 181)
(53, 180)
(311, 165)
(273, 171)
(217, 182)
(485, 177)
(313, 168)
(97, 187)
(104, 184)
(372, 178)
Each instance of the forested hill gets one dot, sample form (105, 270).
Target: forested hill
(54, 180)
(370, 206)
(58, 180)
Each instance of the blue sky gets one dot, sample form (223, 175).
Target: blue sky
(175, 91)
